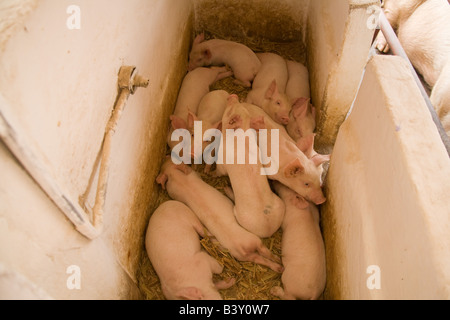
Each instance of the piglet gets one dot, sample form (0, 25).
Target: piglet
(215, 211)
(269, 86)
(302, 119)
(210, 111)
(302, 248)
(298, 81)
(173, 246)
(257, 208)
(296, 170)
(241, 59)
(195, 86)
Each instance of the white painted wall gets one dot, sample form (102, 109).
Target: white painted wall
(387, 188)
(60, 86)
(338, 43)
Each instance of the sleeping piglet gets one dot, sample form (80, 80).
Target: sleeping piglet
(173, 246)
(195, 86)
(241, 59)
(215, 211)
(302, 119)
(210, 111)
(300, 167)
(269, 87)
(302, 248)
(257, 208)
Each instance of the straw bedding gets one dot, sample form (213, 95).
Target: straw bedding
(253, 281)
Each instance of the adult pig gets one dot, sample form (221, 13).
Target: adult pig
(241, 59)
(215, 211)
(302, 248)
(269, 87)
(423, 29)
(173, 246)
(257, 208)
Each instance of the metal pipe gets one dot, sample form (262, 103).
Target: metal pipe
(128, 82)
(398, 50)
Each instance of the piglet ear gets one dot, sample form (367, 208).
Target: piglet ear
(178, 123)
(294, 169)
(207, 54)
(184, 168)
(272, 90)
(313, 111)
(257, 123)
(191, 119)
(218, 126)
(162, 180)
(300, 107)
(320, 159)
(300, 202)
(232, 99)
(235, 122)
(306, 145)
(190, 293)
(199, 39)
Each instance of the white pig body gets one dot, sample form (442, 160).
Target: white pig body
(440, 97)
(257, 208)
(296, 170)
(241, 59)
(173, 246)
(212, 107)
(423, 29)
(269, 88)
(302, 248)
(195, 86)
(215, 211)
(302, 119)
(298, 81)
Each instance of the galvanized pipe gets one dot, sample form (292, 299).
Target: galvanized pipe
(398, 50)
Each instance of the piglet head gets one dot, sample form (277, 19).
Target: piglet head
(169, 167)
(178, 123)
(200, 55)
(258, 123)
(304, 177)
(235, 116)
(279, 107)
(303, 118)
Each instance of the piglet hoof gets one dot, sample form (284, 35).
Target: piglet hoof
(225, 284)
(382, 44)
(246, 84)
(277, 292)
